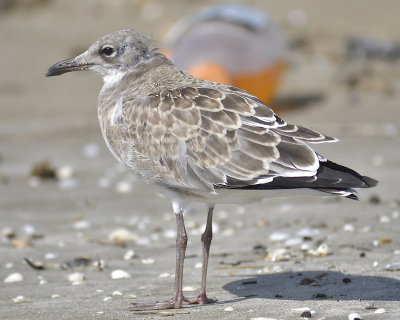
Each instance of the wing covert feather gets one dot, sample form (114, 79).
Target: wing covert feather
(202, 137)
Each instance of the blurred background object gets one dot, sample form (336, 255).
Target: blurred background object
(233, 44)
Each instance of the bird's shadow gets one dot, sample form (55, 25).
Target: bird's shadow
(316, 285)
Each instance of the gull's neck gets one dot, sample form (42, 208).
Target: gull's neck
(113, 77)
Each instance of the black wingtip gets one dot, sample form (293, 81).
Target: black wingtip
(352, 196)
(369, 182)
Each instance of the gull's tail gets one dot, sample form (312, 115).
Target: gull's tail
(330, 178)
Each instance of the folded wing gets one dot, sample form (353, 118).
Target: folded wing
(216, 136)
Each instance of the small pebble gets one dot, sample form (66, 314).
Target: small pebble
(143, 241)
(375, 199)
(261, 223)
(169, 234)
(394, 266)
(375, 243)
(189, 289)
(301, 309)
(8, 233)
(29, 229)
(322, 251)
(117, 293)
(122, 235)
(307, 281)
(366, 229)
(277, 268)
(278, 236)
(228, 232)
(380, 310)
(198, 265)
(65, 172)
(306, 314)
(123, 187)
(14, 277)
(384, 219)
(229, 309)
(107, 299)
(91, 150)
(354, 316)
(99, 291)
(320, 296)
(68, 184)
(305, 247)
(50, 255)
(346, 280)
(120, 274)
(81, 225)
(21, 243)
(8, 265)
(370, 306)
(348, 227)
(291, 242)
(384, 240)
(100, 312)
(129, 255)
(99, 264)
(55, 296)
(375, 264)
(43, 170)
(164, 275)
(20, 299)
(277, 255)
(307, 232)
(76, 278)
(148, 261)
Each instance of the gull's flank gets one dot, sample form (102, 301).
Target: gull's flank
(196, 140)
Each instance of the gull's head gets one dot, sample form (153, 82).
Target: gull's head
(110, 56)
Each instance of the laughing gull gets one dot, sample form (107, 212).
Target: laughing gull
(196, 140)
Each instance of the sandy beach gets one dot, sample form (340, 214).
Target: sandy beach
(63, 238)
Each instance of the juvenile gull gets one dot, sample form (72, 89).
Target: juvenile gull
(196, 140)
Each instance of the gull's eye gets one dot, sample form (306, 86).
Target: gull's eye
(107, 51)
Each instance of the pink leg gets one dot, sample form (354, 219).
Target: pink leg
(206, 238)
(181, 242)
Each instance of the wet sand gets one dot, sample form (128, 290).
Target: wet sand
(333, 256)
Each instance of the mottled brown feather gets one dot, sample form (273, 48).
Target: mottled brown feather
(198, 134)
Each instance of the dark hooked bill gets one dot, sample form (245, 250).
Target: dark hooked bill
(65, 66)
